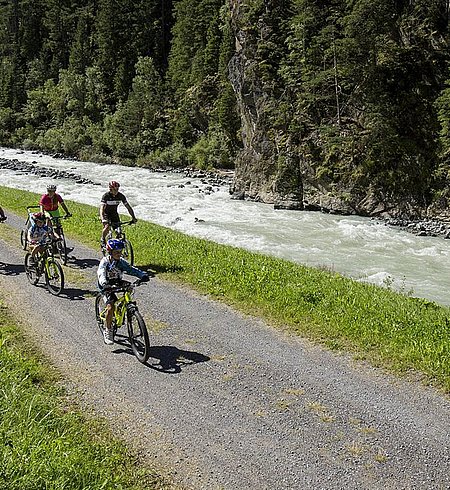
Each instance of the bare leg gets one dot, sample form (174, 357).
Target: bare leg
(105, 231)
(109, 315)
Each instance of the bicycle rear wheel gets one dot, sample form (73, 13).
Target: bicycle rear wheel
(30, 270)
(128, 252)
(138, 335)
(61, 248)
(100, 307)
(54, 276)
(24, 238)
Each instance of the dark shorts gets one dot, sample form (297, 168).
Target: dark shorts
(109, 298)
(113, 219)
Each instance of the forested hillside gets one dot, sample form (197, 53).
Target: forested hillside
(337, 104)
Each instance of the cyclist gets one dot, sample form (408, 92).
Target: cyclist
(38, 234)
(49, 203)
(108, 208)
(109, 273)
(2, 214)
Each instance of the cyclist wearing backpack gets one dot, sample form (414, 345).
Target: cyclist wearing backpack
(110, 272)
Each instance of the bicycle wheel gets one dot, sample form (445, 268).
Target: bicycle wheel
(100, 307)
(24, 239)
(54, 276)
(30, 270)
(128, 252)
(61, 248)
(138, 335)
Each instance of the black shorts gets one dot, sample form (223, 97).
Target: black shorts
(113, 219)
(109, 298)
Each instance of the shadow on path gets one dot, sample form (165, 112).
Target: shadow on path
(83, 263)
(158, 269)
(11, 269)
(171, 359)
(77, 294)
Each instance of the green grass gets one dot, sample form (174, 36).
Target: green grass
(45, 442)
(389, 329)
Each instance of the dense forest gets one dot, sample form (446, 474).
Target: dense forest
(335, 104)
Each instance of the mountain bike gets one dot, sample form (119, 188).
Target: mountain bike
(45, 265)
(116, 231)
(59, 245)
(126, 310)
(28, 222)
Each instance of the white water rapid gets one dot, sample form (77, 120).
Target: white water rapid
(357, 247)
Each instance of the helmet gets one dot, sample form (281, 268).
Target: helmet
(51, 187)
(114, 244)
(114, 184)
(39, 216)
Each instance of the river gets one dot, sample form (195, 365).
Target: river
(360, 248)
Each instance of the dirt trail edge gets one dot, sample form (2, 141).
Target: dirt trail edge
(227, 402)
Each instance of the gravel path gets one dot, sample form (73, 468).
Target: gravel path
(226, 401)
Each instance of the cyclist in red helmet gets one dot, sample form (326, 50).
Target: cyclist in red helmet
(108, 208)
(109, 274)
(38, 234)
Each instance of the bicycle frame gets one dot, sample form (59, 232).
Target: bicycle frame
(45, 264)
(125, 310)
(42, 262)
(56, 223)
(118, 232)
(121, 306)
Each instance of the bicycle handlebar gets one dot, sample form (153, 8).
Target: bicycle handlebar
(55, 218)
(126, 287)
(121, 223)
(44, 243)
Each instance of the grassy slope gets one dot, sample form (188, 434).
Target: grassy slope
(45, 442)
(377, 324)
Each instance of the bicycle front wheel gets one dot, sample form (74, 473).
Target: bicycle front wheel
(54, 276)
(128, 252)
(138, 335)
(30, 270)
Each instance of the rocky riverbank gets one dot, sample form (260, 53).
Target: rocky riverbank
(216, 179)
(211, 179)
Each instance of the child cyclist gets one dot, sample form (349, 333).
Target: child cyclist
(109, 273)
(38, 234)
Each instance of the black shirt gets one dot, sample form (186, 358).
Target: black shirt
(112, 202)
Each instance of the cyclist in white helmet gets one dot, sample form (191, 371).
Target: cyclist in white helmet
(110, 273)
(49, 203)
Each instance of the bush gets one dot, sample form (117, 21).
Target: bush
(212, 151)
(173, 156)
